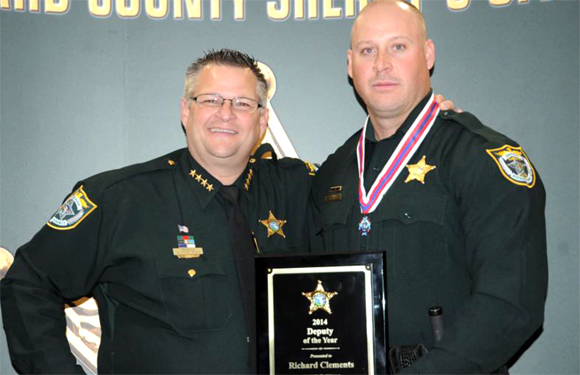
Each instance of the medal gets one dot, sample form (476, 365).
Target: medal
(396, 163)
(364, 226)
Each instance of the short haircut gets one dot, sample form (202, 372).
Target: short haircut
(227, 57)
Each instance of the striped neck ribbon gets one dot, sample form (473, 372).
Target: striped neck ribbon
(403, 153)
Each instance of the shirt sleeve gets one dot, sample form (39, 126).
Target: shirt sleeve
(61, 263)
(504, 234)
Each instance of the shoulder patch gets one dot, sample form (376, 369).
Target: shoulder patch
(514, 164)
(74, 210)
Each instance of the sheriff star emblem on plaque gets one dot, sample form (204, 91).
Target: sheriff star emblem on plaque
(319, 298)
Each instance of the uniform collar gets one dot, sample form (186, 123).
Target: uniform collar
(246, 180)
(370, 135)
(206, 186)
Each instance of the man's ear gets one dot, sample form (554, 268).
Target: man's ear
(349, 57)
(185, 104)
(430, 53)
(264, 121)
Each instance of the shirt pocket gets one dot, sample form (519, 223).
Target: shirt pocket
(195, 294)
(412, 227)
(337, 232)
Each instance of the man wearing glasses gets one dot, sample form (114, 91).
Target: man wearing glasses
(166, 247)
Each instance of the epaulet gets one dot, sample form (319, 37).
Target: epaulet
(266, 152)
(106, 179)
(298, 163)
(78, 205)
(472, 124)
(511, 160)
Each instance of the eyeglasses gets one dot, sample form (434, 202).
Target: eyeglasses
(240, 104)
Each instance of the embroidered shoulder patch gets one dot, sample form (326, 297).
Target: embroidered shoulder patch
(74, 210)
(514, 164)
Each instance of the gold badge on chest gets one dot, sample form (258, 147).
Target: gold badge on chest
(274, 225)
(419, 170)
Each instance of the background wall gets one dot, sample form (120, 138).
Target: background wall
(81, 94)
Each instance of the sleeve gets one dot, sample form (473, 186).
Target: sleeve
(501, 207)
(61, 263)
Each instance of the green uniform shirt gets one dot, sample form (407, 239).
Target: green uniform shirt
(114, 239)
(470, 239)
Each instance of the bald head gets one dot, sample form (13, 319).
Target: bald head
(389, 61)
(419, 18)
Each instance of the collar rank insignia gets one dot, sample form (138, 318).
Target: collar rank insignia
(186, 248)
(203, 182)
(319, 298)
(514, 164)
(274, 225)
(74, 210)
(249, 178)
(419, 170)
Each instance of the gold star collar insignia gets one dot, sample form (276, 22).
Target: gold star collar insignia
(419, 170)
(319, 298)
(274, 225)
(203, 182)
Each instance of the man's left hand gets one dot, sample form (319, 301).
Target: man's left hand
(446, 105)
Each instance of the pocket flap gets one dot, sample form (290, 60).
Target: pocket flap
(335, 212)
(410, 208)
(187, 268)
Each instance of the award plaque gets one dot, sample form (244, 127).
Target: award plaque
(321, 314)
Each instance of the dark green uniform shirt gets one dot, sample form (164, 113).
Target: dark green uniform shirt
(114, 239)
(470, 239)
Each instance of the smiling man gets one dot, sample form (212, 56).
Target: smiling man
(457, 207)
(166, 247)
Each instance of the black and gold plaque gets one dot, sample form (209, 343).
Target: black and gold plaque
(321, 314)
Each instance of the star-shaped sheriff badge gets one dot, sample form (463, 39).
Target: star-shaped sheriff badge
(274, 225)
(319, 298)
(419, 170)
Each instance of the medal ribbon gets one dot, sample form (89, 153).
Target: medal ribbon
(404, 151)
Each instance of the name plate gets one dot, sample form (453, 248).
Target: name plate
(321, 314)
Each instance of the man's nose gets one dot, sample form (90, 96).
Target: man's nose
(382, 62)
(226, 111)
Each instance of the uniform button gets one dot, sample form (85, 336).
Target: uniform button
(407, 216)
(191, 272)
(376, 168)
